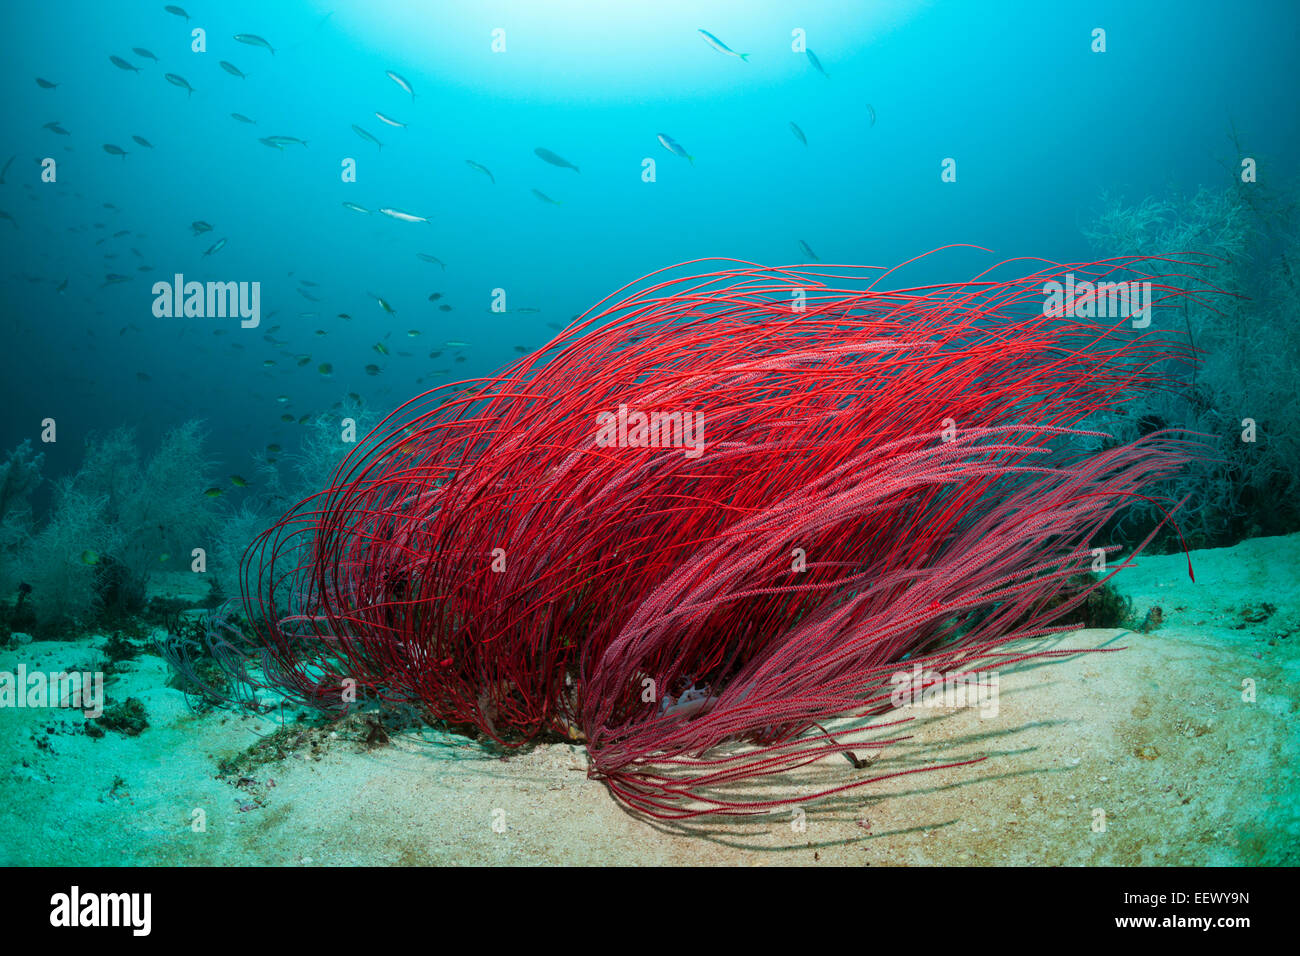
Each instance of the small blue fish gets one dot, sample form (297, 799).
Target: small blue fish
(252, 39)
(555, 159)
(817, 64)
(794, 128)
(482, 169)
(176, 79)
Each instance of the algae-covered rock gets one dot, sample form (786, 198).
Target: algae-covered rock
(127, 717)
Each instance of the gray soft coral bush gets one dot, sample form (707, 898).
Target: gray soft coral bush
(62, 563)
(164, 512)
(115, 522)
(20, 475)
(1250, 369)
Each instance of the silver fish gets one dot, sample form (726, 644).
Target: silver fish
(400, 81)
(794, 128)
(120, 63)
(141, 51)
(807, 251)
(545, 198)
(367, 136)
(355, 208)
(674, 147)
(403, 216)
(721, 47)
(817, 64)
(242, 118)
(113, 150)
(216, 247)
(391, 122)
(143, 142)
(232, 69)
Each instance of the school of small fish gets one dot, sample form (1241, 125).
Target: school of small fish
(252, 60)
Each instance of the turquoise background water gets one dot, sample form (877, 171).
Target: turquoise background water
(1038, 124)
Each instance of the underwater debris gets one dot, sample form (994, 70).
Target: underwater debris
(128, 718)
(1255, 613)
(1153, 619)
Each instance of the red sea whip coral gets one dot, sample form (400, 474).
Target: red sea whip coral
(877, 477)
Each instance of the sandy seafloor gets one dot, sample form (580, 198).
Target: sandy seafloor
(1156, 739)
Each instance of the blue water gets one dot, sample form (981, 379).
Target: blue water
(1038, 124)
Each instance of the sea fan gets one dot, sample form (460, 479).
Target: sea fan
(719, 512)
